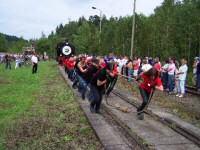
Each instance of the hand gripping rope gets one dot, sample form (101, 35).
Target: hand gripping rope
(116, 106)
(126, 109)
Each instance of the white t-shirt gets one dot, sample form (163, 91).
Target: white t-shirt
(146, 67)
(183, 69)
(34, 59)
(165, 67)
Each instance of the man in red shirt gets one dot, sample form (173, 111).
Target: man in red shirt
(70, 67)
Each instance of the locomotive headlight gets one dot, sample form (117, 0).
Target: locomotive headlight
(66, 50)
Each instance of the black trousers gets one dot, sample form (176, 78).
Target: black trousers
(8, 65)
(96, 97)
(34, 69)
(111, 85)
(145, 97)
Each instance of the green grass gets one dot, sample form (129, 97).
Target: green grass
(40, 112)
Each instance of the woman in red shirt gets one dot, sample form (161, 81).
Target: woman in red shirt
(150, 81)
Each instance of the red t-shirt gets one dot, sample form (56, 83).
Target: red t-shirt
(70, 64)
(65, 62)
(115, 71)
(148, 84)
(157, 66)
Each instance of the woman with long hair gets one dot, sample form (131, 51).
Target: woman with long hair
(150, 80)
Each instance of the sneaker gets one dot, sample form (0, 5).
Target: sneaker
(177, 95)
(181, 95)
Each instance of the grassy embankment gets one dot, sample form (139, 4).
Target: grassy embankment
(40, 112)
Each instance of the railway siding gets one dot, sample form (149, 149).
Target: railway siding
(149, 133)
(108, 134)
(152, 131)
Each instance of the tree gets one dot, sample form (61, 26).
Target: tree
(3, 44)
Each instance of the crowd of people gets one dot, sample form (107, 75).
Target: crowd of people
(9, 58)
(21, 59)
(100, 75)
(172, 72)
(92, 72)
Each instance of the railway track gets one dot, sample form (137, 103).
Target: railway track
(135, 141)
(192, 90)
(191, 136)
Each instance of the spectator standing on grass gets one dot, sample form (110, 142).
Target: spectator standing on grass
(34, 61)
(17, 62)
(171, 75)
(198, 76)
(8, 61)
(182, 74)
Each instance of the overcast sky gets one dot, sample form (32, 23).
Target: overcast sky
(28, 18)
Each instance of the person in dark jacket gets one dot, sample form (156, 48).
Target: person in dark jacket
(97, 88)
(8, 61)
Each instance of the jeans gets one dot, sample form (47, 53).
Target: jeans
(95, 98)
(70, 74)
(171, 80)
(130, 74)
(181, 86)
(75, 78)
(82, 87)
(165, 80)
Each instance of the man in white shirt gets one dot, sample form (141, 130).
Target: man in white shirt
(182, 73)
(34, 61)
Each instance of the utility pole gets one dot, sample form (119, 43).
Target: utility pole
(133, 30)
(100, 24)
